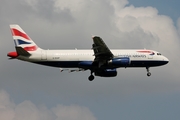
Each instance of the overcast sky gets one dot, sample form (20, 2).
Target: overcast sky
(34, 92)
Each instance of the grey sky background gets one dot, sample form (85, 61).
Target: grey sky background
(29, 91)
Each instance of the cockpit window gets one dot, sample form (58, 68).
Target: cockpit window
(158, 53)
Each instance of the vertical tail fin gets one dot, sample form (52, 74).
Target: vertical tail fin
(21, 39)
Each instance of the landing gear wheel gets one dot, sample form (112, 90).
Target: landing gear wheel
(91, 78)
(148, 74)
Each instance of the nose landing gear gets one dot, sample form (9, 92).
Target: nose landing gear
(148, 72)
(91, 77)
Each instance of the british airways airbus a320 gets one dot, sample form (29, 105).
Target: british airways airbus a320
(101, 61)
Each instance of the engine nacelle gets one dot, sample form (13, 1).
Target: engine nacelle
(106, 73)
(85, 64)
(120, 62)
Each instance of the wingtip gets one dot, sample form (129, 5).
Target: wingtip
(94, 36)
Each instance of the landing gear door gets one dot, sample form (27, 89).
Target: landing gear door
(43, 55)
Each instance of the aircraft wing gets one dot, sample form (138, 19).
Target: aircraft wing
(101, 51)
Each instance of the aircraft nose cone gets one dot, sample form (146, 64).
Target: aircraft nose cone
(166, 60)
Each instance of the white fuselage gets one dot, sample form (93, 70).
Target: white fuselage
(65, 58)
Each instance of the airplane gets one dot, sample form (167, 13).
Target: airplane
(100, 60)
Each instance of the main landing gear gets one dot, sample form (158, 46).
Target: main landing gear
(148, 73)
(91, 77)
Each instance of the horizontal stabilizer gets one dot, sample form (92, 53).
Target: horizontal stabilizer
(22, 52)
(11, 58)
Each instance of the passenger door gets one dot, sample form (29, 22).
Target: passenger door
(43, 55)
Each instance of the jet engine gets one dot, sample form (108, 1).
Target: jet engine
(106, 73)
(120, 62)
(85, 64)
